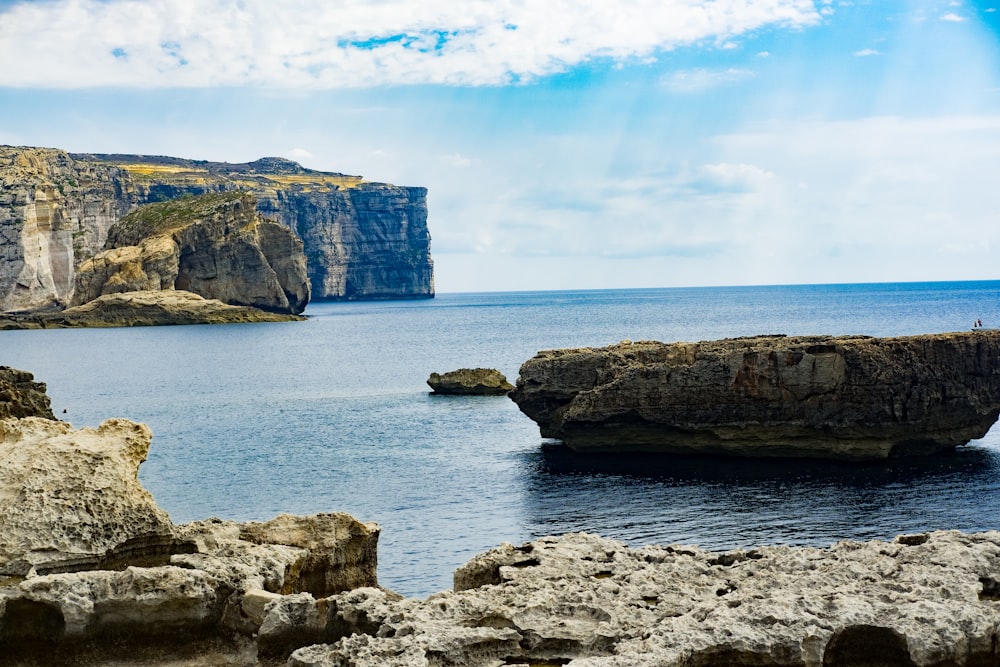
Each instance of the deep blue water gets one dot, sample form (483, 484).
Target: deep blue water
(333, 414)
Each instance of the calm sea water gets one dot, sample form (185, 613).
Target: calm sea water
(333, 414)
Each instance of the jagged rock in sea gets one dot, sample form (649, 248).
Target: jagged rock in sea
(216, 245)
(362, 239)
(144, 308)
(470, 382)
(849, 397)
(582, 600)
(21, 396)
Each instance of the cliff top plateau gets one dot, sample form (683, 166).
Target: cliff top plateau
(849, 397)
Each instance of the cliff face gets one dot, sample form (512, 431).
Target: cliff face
(848, 397)
(216, 245)
(362, 240)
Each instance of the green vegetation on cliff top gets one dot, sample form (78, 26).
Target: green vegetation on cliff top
(163, 218)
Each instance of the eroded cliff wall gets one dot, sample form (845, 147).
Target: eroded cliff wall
(362, 240)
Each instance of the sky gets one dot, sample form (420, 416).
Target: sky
(566, 144)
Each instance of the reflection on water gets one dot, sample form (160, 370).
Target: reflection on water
(728, 503)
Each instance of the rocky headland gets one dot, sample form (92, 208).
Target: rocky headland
(362, 240)
(850, 397)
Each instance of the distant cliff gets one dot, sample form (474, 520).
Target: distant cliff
(362, 240)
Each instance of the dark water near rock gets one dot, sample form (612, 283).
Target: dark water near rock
(333, 414)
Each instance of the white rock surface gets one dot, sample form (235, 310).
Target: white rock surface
(587, 601)
(70, 498)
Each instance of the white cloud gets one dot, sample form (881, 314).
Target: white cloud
(304, 43)
(867, 52)
(953, 17)
(298, 154)
(697, 80)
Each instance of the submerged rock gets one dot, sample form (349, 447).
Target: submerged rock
(850, 397)
(470, 382)
(586, 601)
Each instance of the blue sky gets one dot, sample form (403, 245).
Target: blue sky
(566, 144)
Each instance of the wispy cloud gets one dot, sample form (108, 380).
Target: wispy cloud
(697, 80)
(867, 52)
(953, 17)
(303, 43)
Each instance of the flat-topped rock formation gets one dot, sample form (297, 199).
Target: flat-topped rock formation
(362, 240)
(850, 397)
(470, 382)
(143, 308)
(585, 601)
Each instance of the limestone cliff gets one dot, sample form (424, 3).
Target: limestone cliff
(851, 397)
(363, 240)
(216, 245)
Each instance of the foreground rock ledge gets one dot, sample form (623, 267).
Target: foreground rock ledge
(92, 571)
(850, 397)
(585, 601)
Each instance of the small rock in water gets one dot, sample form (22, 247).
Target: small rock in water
(470, 382)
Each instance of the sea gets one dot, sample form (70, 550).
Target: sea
(334, 414)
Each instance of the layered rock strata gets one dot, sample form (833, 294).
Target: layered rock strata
(362, 239)
(217, 246)
(851, 397)
(21, 396)
(585, 601)
(470, 382)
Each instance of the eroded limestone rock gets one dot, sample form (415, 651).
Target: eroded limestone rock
(70, 499)
(470, 382)
(850, 397)
(586, 601)
(91, 570)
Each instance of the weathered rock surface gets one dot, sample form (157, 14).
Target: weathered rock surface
(585, 601)
(91, 570)
(217, 246)
(470, 382)
(135, 309)
(21, 396)
(362, 239)
(850, 397)
(70, 499)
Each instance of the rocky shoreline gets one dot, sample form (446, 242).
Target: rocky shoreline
(93, 572)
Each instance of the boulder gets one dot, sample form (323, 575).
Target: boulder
(21, 396)
(470, 382)
(850, 397)
(216, 245)
(580, 599)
